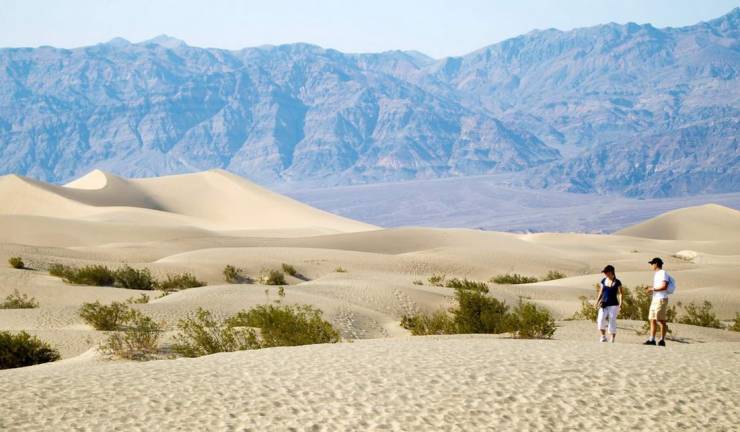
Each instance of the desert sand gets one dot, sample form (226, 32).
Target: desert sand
(381, 378)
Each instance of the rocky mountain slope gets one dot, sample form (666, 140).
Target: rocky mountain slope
(628, 109)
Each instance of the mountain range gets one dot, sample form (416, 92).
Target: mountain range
(620, 109)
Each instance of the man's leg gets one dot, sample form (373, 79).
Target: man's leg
(663, 329)
(652, 329)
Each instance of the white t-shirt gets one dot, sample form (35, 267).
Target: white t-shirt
(658, 279)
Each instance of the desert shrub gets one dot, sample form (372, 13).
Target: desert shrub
(141, 299)
(702, 315)
(437, 280)
(273, 277)
(418, 282)
(201, 334)
(529, 321)
(131, 278)
(437, 323)
(635, 303)
(232, 274)
(340, 269)
(176, 282)
(22, 349)
(16, 262)
(284, 325)
(289, 269)
(513, 279)
(588, 310)
(96, 275)
(735, 324)
(467, 285)
(58, 270)
(554, 275)
(104, 317)
(19, 301)
(479, 313)
(138, 340)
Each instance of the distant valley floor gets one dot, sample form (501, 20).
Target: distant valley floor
(483, 203)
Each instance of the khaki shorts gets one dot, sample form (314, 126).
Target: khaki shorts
(658, 310)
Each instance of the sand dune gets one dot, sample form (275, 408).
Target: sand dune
(201, 222)
(214, 200)
(702, 223)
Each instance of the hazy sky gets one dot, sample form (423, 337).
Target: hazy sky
(435, 27)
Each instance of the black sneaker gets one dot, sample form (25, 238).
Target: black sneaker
(650, 342)
(661, 343)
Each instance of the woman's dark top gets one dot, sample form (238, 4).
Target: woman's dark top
(609, 293)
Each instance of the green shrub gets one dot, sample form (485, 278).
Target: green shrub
(418, 282)
(437, 280)
(735, 324)
(104, 317)
(176, 282)
(513, 279)
(19, 301)
(131, 278)
(529, 321)
(272, 277)
(22, 349)
(588, 310)
(16, 263)
(554, 275)
(284, 325)
(201, 334)
(141, 299)
(233, 274)
(340, 269)
(700, 315)
(479, 313)
(96, 275)
(59, 270)
(467, 285)
(138, 340)
(289, 269)
(437, 323)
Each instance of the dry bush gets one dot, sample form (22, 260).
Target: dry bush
(289, 269)
(529, 321)
(513, 279)
(437, 280)
(702, 316)
(22, 349)
(554, 275)
(479, 313)
(175, 282)
(16, 263)
(340, 269)
(437, 323)
(466, 284)
(735, 324)
(131, 278)
(104, 317)
(138, 339)
(201, 334)
(141, 299)
(19, 301)
(285, 325)
(272, 277)
(233, 275)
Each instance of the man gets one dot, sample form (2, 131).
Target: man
(659, 305)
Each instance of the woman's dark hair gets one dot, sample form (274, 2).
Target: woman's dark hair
(608, 269)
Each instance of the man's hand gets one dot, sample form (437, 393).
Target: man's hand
(648, 289)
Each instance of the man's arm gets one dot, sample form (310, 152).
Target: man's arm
(662, 288)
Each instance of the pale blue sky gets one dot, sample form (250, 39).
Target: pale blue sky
(435, 27)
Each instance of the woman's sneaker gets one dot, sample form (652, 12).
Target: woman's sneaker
(650, 342)
(602, 339)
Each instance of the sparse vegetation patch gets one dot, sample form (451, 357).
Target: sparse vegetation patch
(22, 349)
(175, 282)
(700, 315)
(16, 263)
(272, 277)
(513, 279)
(466, 284)
(17, 300)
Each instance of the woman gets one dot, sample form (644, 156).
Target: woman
(608, 301)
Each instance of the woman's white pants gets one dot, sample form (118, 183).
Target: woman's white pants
(608, 315)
